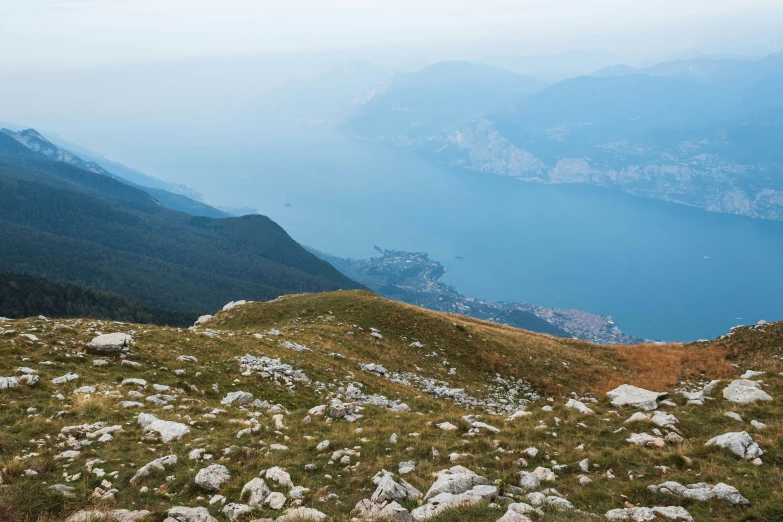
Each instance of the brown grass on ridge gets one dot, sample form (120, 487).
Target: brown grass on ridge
(661, 366)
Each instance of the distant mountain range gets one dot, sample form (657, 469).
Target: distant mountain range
(71, 221)
(704, 133)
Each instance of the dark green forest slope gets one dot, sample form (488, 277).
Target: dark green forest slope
(73, 225)
(25, 296)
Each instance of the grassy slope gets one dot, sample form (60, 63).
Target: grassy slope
(478, 350)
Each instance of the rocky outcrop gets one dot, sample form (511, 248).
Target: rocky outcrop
(627, 395)
(739, 443)
(166, 431)
(112, 343)
(643, 514)
(701, 492)
(743, 391)
(189, 514)
(212, 477)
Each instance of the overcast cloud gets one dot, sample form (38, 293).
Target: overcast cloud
(96, 32)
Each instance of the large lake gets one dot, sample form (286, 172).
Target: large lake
(663, 271)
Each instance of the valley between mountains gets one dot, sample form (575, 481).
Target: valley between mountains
(347, 406)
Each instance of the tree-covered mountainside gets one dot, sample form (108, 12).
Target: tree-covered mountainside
(73, 225)
(38, 146)
(25, 296)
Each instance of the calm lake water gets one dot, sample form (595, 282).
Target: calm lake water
(662, 270)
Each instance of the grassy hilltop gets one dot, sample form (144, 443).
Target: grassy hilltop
(425, 358)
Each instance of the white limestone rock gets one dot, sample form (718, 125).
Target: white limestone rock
(68, 377)
(517, 512)
(627, 395)
(212, 477)
(258, 491)
(159, 464)
(279, 475)
(701, 492)
(298, 514)
(743, 391)
(455, 480)
(165, 430)
(739, 443)
(239, 397)
(644, 514)
(202, 319)
(190, 514)
(233, 510)
(646, 440)
(579, 406)
(275, 500)
(446, 426)
(112, 343)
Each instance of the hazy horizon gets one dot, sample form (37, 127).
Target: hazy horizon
(91, 33)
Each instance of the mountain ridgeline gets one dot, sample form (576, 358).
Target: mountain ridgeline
(73, 225)
(705, 133)
(167, 194)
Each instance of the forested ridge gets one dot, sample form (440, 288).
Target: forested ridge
(73, 225)
(24, 296)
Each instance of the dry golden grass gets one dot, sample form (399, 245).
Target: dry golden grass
(659, 367)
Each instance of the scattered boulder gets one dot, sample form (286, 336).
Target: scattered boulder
(165, 430)
(275, 500)
(388, 490)
(455, 480)
(646, 440)
(298, 514)
(627, 395)
(115, 515)
(643, 514)
(529, 481)
(233, 510)
(212, 477)
(406, 467)
(157, 464)
(280, 476)
(68, 377)
(190, 514)
(110, 344)
(734, 416)
(233, 304)
(202, 319)
(517, 512)
(743, 391)
(739, 443)
(702, 492)
(239, 397)
(579, 406)
(258, 491)
(446, 426)
(437, 504)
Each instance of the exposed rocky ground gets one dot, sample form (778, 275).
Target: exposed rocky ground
(347, 406)
(414, 278)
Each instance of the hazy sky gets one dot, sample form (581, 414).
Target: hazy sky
(44, 33)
